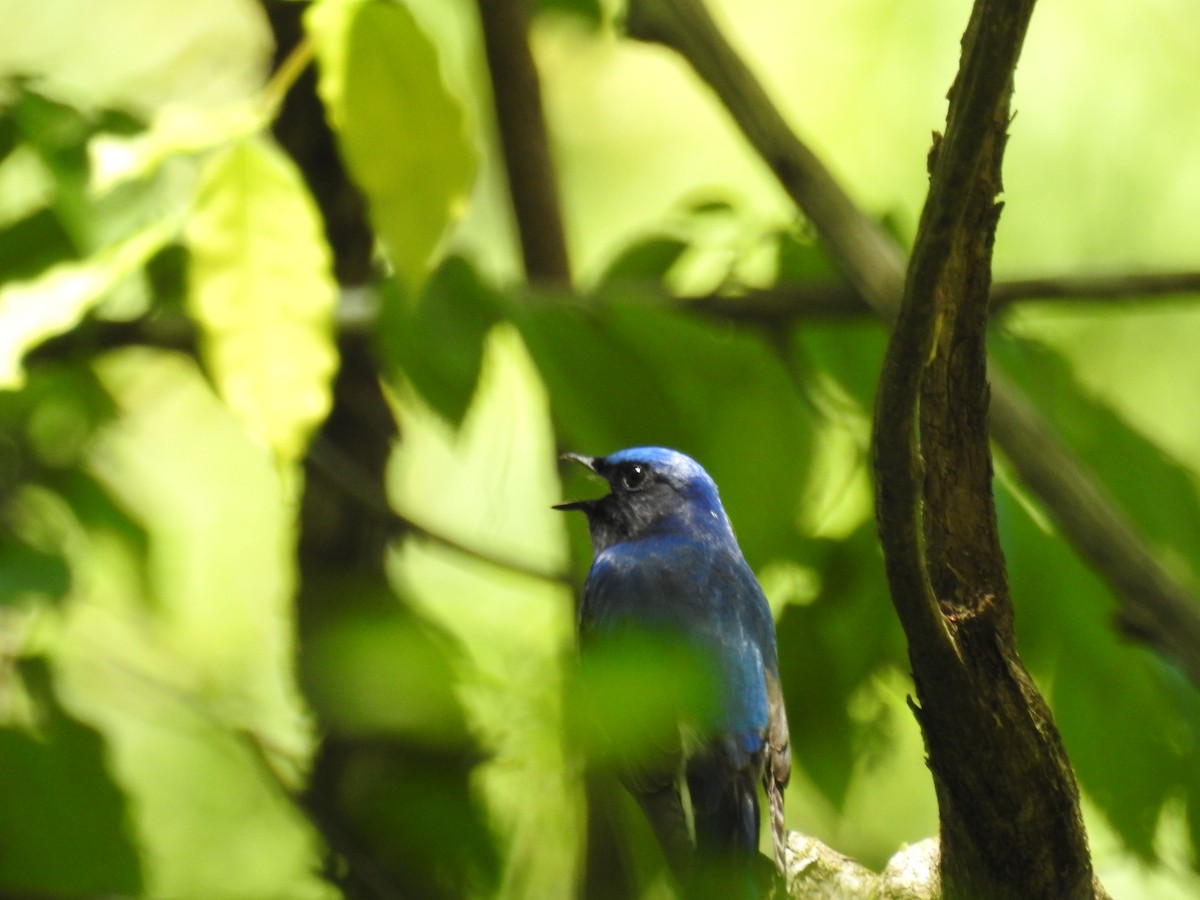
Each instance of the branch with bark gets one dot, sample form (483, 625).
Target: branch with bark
(1008, 803)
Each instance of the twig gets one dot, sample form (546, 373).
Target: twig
(836, 300)
(517, 98)
(343, 472)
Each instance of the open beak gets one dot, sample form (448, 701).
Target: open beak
(590, 462)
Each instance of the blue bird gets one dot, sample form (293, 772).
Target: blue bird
(666, 558)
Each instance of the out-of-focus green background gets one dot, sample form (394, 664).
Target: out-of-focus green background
(236, 630)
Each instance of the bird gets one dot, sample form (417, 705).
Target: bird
(666, 558)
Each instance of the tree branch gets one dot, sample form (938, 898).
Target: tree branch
(837, 300)
(517, 98)
(1008, 804)
(874, 263)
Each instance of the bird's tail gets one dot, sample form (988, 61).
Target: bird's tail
(664, 810)
(778, 834)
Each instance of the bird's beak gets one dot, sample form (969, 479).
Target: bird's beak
(590, 462)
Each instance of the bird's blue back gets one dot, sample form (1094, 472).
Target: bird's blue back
(701, 589)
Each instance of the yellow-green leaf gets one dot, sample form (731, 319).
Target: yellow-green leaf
(403, 134)
(54, 302)
(262, 291)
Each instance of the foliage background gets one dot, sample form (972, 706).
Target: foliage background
(174, 643)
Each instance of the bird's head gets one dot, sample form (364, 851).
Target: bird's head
(653, 490)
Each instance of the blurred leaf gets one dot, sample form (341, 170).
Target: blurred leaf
(490, 484)
(648, 260)
(1131, 725)
(1158, 492)
(63, 824)
(1111, 700)
(32, 244)
(54, 302)
(829, 650)
(402, 133)
(588, 11)
(384, 673)
(627, 374)
(262, 291)
(631, 695)
(25, 570)
(802, 259)
(131, 156)
(439, 344)
(414, 810)
(57, 131)
(9, 132)
(849, 352)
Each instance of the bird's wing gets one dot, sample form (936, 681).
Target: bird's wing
(777, 760)
(778, 769)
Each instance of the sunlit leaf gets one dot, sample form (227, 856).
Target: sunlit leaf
(64, 823)
(262, 292)
(402, 133)
(490, 484)
(55, 301)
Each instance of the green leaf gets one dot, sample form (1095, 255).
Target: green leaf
(1112, 700)
(262, 292)
(628, 374)
(1157, 491)
(587, 11)
(384, 672)
(439, 345)
(402, 133)
(829, 650)
(25, 570)
(648, 260)
(803, 260)
(63, 824)
(1130, 722)
(33, 243)
(54, 302)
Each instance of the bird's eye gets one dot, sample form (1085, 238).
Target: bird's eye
(633, 478)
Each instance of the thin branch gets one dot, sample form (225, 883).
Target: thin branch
(868, 256)
(1118, 287)
(343, 472)
(517, 98)
(839, 300)
(875, 264)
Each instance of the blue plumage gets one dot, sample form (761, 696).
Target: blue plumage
(666, 560)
